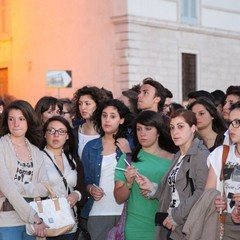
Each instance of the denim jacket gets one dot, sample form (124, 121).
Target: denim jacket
(92, 163)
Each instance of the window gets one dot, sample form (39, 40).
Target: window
(189, 74)
(4, 18)
(189, 12)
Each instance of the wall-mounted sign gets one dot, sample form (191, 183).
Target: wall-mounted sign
(59, 79)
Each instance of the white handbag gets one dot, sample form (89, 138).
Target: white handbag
(55, 212)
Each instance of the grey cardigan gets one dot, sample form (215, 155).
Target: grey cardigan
(15, 192)
(203, 220)
(194, 166)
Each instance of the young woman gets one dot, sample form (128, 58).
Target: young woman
(210, 125)
(185, 180)
(67, 110)
(47, 107)
(99, 158)
(57, 156)
(230, 193)
(22, 172)
(151, 157)
(85, 101)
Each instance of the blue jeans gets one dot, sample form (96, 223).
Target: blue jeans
(68, 236)
(16, 233)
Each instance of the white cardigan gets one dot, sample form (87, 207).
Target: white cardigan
(15, 192)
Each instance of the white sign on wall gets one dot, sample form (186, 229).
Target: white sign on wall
(59, 79)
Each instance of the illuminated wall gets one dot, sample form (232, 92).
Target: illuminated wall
(116, 43)
(71, 35)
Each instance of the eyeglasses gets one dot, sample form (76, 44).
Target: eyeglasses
(235, 123)
(52, 131)
(167, 106)
(64, 113)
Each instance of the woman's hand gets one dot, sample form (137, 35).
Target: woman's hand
(144, 183)
(97, 193)
(130, 175)
(220, 203)
(236, 214)
(123, 144)
(72, 199)
(40, 229)
(168, 224)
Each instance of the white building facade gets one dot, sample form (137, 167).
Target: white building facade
(184, 44)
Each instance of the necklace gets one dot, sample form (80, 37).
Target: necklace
(29, 157)
(237, 151)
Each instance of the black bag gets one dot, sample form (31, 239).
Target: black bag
(82, 234)
(7, 206)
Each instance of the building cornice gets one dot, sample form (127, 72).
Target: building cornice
(130, 19)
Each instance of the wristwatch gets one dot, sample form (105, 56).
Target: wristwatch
(38, 222)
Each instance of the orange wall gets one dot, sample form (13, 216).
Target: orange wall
(75, 35)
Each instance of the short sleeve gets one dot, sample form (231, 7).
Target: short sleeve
(119, 174)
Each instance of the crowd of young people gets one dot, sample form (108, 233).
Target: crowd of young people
(175, 154)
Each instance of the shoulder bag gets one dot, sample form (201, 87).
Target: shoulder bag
(117, 232)
(55, 212)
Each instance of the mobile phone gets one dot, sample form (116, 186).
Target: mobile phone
(160, 217)
(232, 203)
(230, 195)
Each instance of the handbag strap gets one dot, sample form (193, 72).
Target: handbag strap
(60, 173)
(224, 159)
(63, 178)
(222, 216)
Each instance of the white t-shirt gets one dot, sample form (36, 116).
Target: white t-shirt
(83, 140)
(231, 172)
(175, 201)
(24, 172)
(107, 205)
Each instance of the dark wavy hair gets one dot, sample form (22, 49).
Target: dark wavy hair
(153, 119)
(95, 93)
(69, 144)
(34, 131)
(125, 128)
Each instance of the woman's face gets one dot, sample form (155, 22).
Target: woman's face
(181, 133)
(87, 106)
(110, 120)
(67, 114)
(56, 135)
(17, 123)
(204, 119)
(51, 112)
(147, 135)
(234, 127)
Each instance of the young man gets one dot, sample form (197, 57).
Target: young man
(151, 95)
(167, 103)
